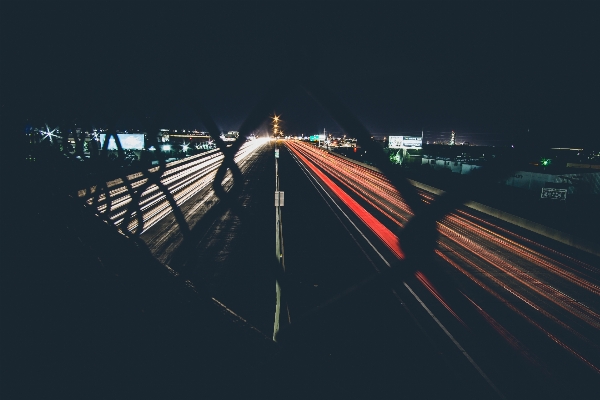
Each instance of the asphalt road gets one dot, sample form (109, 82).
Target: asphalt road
(368, 345)
(522, 307)
(496, 312)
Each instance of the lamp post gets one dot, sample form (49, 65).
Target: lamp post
(275, 123)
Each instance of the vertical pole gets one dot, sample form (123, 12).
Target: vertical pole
(280, 299)
(277, 251)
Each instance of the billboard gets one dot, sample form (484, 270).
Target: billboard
(405, 142)
(129, 141)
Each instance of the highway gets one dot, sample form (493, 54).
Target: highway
(498, 312)
(523, 310)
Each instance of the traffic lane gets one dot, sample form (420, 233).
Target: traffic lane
(235, 260)
(575, 351)
(166, 235)
(323, 255)
(227, 255)
(403, 332)
(469, 233)
(513, 343)
(510, 380)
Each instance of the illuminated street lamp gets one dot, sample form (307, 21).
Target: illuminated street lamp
(275, 123)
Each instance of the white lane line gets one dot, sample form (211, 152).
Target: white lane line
(462, 350)
(314, 179)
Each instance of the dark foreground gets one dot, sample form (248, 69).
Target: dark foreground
(88, 313)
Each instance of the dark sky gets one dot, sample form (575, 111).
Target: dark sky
(483, 69)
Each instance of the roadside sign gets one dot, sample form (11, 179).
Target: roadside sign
(554, 194)
(276, 153)
(279, 199)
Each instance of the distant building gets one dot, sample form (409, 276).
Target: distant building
(462, 167)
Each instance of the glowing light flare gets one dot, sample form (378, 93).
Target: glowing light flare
(48, 133)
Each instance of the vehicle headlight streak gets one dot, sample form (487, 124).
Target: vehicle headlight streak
(513, 260)
(183, 179)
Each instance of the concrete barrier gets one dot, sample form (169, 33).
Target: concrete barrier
(540, 229)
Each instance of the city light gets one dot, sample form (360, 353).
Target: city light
(545, 161)
(275, 125)
(48, 133)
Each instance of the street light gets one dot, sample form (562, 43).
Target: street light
(275, 124)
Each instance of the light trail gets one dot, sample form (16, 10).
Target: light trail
(390, 240)
(561, 299)
(532, 255)
(423, 279)
(506, 335)
(494, 253)
(506, 287)
(524, 316)
(183, 179)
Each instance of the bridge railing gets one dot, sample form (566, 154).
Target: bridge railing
(134, 200)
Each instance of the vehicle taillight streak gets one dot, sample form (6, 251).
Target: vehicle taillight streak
(548, 282)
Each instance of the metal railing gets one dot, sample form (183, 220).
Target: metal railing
(418, 237)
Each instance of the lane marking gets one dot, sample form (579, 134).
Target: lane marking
(342, 211)
(456, 343)
(462, 350)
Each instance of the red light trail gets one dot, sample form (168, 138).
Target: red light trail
(557, 288)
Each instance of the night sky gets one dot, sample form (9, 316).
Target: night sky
(494, 72)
